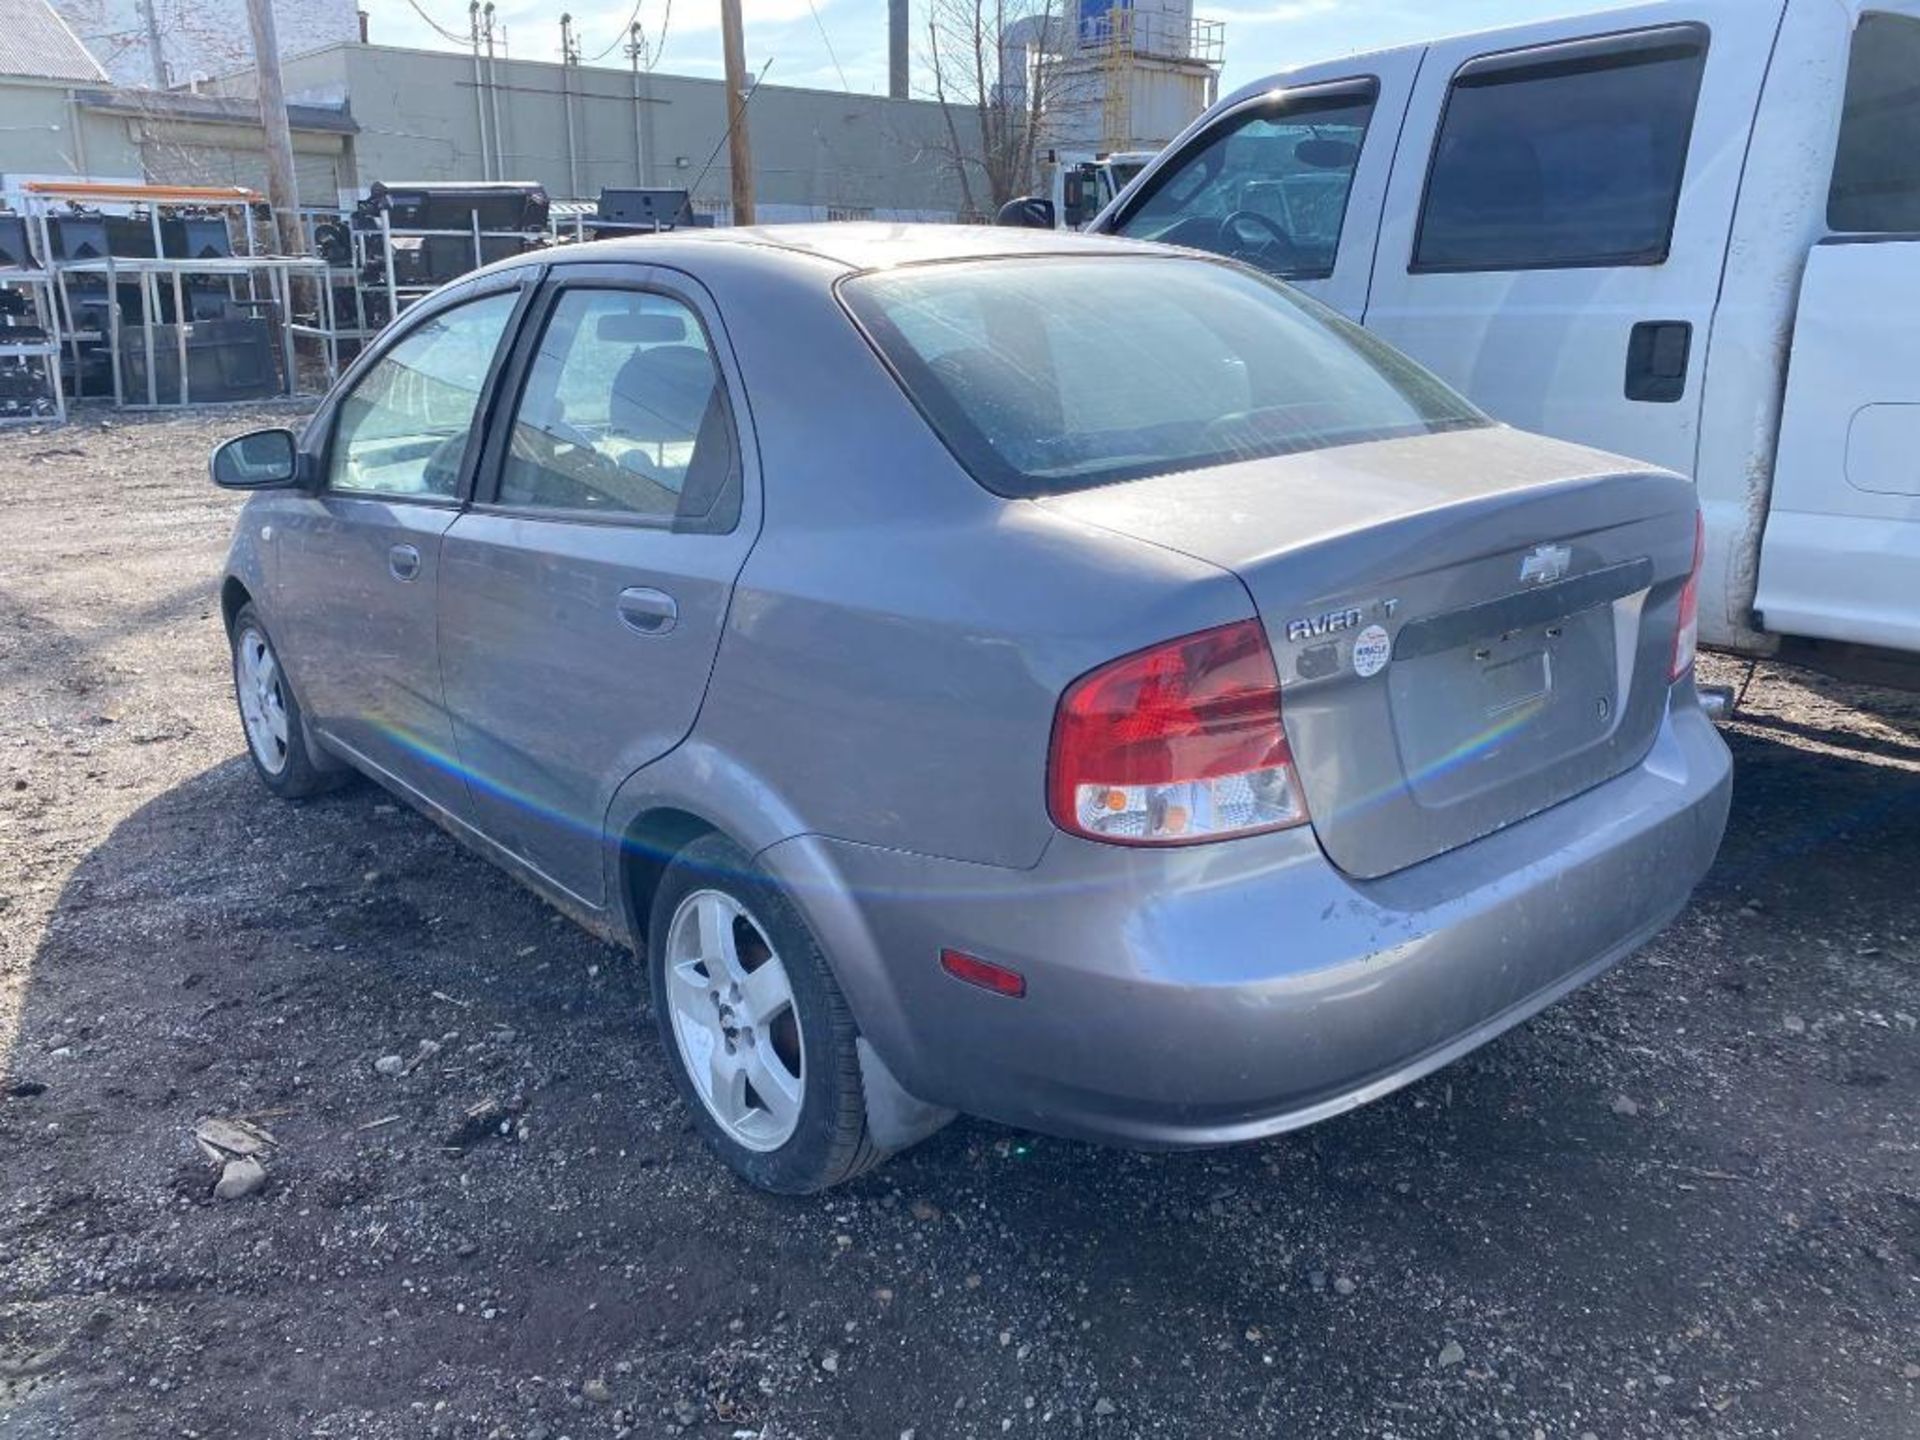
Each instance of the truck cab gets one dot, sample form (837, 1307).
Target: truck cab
(1081, 186)
(1688, 232)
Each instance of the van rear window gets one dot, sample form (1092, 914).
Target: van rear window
(1876, 173)
(1045, 375)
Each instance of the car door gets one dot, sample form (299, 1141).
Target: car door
(583, 595)
(1840, 559)
(356, 563)
(1287, 176)
(1557, 222)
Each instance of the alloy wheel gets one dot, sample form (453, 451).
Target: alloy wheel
(734, 1020)
(263, 703)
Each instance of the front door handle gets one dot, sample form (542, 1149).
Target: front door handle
(403, 562)
(648, 611)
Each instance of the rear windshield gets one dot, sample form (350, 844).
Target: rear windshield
(1049, 375)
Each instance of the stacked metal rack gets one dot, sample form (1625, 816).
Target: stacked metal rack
(409, 239)
(30, 383)
(151, 287)
(406, 239)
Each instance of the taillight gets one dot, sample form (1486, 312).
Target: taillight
(1686, 632)
(1175, 745)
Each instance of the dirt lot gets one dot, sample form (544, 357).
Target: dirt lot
(1686, 1202)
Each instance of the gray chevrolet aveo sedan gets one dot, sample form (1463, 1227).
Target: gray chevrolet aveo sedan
(1077, 683)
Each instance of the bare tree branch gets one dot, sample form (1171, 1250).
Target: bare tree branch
(997, 62)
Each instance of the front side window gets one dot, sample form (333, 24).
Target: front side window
(1569, 156)
(1876, 174)
(623, 414)
(403, 428)
(1050, 375)
(1268, 186)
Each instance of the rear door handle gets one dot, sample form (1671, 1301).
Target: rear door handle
(403, 562)
(1657, 355)
(647, 611)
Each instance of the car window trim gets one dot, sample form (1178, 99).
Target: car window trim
(1365, 88)
(1582, 55)
(642, 279)
(525, 280)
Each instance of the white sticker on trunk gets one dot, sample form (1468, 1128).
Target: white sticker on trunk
(1371, 651)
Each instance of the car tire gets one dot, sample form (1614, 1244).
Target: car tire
(270, 717)
(793, 1040)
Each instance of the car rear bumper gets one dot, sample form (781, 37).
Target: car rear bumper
(1221, 993)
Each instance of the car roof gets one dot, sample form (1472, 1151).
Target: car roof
(853, 245)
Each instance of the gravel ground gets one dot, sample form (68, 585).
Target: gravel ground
(1685, 1202)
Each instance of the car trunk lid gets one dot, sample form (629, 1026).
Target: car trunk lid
(1468, 627)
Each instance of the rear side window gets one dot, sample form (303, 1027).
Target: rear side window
(1041, 381)
(1876, 175)
(624, 414)
(1570, 155)
(1268, 186)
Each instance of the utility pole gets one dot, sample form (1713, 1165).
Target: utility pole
(282, 194)
(636, 51)
(479, 88)
(156, 53)
(569, 57)
(733, 45)
(493, 92)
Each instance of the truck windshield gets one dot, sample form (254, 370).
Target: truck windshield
(1045, 375)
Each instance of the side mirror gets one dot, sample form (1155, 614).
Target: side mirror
(1029, 212)
(262, 460)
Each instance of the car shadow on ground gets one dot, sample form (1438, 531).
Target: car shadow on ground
(1683, 1198)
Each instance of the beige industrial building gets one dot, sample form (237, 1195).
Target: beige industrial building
(432, 115)
(363, 112)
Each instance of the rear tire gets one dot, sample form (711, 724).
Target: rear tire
(758, 1036)
(270, 715)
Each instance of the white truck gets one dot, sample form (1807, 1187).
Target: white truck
(1687, 232)
(1080, 186)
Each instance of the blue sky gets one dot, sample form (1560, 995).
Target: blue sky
(842, 43)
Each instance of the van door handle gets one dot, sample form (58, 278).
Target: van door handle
(647, 611)
(403, 562)
(1657, 355)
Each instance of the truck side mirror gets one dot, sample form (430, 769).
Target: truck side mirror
(1029, 212)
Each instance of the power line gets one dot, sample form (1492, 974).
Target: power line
(820, 25)
(624, 31)
(438, 28)
(727, 134)
(666, 19)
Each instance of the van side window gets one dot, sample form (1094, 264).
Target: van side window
(1876, 174)
(1268, 186)
(1569, 155)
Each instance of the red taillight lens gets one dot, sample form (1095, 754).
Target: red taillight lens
(1686, 633)
(1175, 745)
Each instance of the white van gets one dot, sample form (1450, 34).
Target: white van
(1688, 232)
